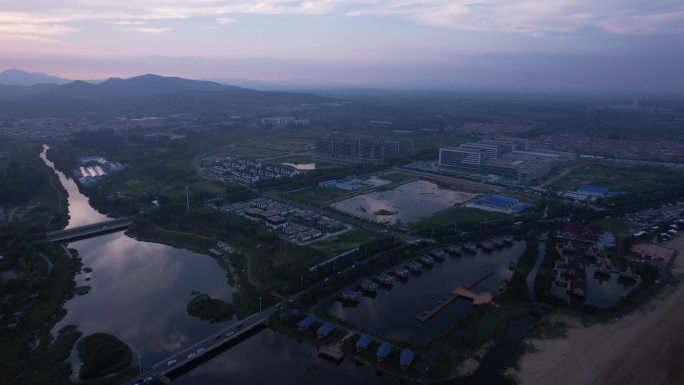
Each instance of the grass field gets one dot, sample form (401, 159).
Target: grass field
(454, 216)
(619, 179)
(396, 177)
(343, 242)
(318, 195)
(279, 144)
(236, 151)
(615, 226)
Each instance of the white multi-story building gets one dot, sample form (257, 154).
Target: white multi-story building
(452, 156)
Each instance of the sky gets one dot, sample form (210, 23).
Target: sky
(529, 45)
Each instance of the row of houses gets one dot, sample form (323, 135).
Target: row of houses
(298, 225)
(247, 171)
(383, 352)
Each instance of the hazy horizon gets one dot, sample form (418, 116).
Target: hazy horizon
(614, 46)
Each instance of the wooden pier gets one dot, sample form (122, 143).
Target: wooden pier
(462, 291)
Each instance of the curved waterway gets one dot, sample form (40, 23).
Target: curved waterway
(139, 290)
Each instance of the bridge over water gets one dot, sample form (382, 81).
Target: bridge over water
(91, 230)
(199, 350)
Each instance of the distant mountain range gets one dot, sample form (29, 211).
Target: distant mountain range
(16, 77)
(140, 96)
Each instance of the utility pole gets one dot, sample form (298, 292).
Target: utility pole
(140, 362)
(187, 199)
(259, 304)
(301, 281)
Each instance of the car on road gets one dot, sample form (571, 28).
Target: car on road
(230, 334)
(171, 363)
(192, 355)
(291, 300)
(239, 325)
(201, 350)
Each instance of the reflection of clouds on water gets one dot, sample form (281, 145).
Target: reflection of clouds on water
(80, 211)
(393, 312)
(270, 358)
(140, 291)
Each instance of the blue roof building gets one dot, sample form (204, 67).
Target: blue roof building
(590, 189)
(326, 329)
(406, 358)
(328, 183)
(363, 342)
(384, 351)
(350, 186)
(306, 323)
(500, 202)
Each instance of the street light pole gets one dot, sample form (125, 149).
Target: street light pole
(259, 304)
(140, 362)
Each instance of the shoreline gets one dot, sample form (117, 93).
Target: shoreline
(641, 347)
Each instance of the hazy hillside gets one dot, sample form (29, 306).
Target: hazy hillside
(142, 95)
(16, 77)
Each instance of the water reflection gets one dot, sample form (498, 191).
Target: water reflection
(80, 211)
(407, 203)
(602, 292)
(393, 312)
(272, 358)
(139, 292)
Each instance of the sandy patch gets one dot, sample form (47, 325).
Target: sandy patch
(642, 348)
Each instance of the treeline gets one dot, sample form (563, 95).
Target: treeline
(20, 180)
(277, 264)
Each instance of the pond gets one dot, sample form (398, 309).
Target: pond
(602, 292)
(406, 203)
(393, 312)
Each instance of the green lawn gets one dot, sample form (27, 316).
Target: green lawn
(279, 144)
(456, 215)
(318, 195)
(620, 179)
(616, 226)
(343, 242)
(238, 151)
(396, 177)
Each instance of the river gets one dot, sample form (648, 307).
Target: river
(139, 291)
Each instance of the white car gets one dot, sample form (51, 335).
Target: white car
(201, 350)
(230, 334)
(192, 355)
(171, 363)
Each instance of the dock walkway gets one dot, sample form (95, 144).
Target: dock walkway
(462, 291)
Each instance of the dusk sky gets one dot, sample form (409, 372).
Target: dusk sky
(610, 45)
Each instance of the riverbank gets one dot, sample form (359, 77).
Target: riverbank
(640, 348)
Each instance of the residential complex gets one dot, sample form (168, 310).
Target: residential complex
(246, 171)
(363, 148)
(284, 121)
